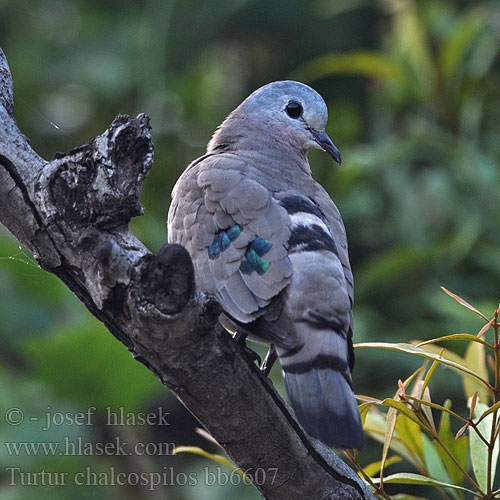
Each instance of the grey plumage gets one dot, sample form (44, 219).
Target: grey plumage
(268, 242)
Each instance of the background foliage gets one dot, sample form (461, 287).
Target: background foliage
(412, 89)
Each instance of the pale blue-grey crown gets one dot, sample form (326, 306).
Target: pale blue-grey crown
(274, 97)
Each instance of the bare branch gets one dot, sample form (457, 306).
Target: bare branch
(72, 213)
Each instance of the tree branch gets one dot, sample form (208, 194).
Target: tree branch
(72, 213)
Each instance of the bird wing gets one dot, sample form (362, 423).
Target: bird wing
(237, 235)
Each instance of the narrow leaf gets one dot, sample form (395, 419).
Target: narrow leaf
(408, 381)
(475, 359)
(457, 336)
(457, 448)
(375, 428)
(411, 478)
(464, 303)
(409, 432)
(434, 465)
(427, 378)
(426, 397)
(390, 424)
(364, 408)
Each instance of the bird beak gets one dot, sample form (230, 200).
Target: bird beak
(326, 143)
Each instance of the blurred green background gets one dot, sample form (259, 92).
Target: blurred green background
(413, 90)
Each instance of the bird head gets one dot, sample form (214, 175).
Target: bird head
(288, 112)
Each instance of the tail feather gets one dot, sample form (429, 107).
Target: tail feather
(326, 407)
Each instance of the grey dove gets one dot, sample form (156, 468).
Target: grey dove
(268, 242)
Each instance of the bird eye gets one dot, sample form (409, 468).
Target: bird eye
(294, 109)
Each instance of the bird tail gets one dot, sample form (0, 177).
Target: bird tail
(324, 402)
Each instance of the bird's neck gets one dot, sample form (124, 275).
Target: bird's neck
(266, 148)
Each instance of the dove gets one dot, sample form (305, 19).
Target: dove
(269, 244)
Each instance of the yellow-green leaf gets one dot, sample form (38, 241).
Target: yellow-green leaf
(375, 428)
(411, 478)
(458, 448)
(475, 359)
(409, 432)
(428, 377)
(390, 424)
(364, 408)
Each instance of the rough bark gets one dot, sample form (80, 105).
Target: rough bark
(72, 213)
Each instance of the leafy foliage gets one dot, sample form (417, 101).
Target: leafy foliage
(453, 464)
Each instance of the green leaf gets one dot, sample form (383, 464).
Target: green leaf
(365, 63)
(457, 336)
(434, 465)
(475, 359)
(409, 432)
(411, 478)
(374, 468)
(426, 400)
(410, 349)
(458, 448)
(364, 408)
(479, 450)
(375, 428)
(427, 378)
(390, 424)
